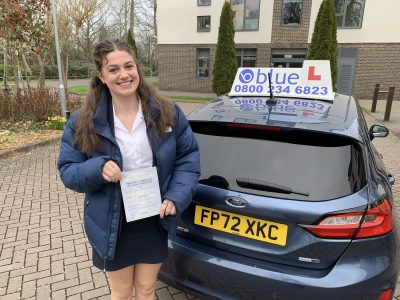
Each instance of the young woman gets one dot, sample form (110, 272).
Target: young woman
(125, 126)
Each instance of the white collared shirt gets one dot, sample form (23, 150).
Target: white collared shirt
(135, 146)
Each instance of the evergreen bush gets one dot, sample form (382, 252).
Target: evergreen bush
(225, 65)
(131, 42)
(324, 39)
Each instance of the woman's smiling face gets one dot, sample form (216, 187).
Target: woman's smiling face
(120, 73)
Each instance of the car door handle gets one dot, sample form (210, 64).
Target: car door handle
(392, 180)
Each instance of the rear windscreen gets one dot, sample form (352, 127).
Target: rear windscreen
(289, 163)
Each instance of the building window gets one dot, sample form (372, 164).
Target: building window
(288, 58)
(291, 12)
(203, 2)
(246, 14)
(246, 58)
(203, 23)
(349, 13)
(203, 63)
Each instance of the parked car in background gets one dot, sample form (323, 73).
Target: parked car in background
(294, 202)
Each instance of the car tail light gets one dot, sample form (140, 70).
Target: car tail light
(376, 221)
(386, 295)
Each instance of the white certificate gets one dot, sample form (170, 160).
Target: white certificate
(141, 193)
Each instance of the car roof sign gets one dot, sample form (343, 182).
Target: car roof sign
(312, 81)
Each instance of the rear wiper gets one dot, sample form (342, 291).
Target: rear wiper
(266, 186)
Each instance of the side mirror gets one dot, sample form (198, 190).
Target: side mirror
(377, 131)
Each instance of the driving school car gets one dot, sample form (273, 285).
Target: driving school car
(293, 201)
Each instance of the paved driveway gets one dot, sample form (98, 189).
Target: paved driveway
(43, 250)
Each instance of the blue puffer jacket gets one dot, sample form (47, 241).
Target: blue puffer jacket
(176, 156)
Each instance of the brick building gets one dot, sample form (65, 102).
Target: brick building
(278, 33)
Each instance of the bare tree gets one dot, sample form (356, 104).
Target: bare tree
(81, 23)
(119, 16)
(135, 15)
(90, 31)
(42, 53)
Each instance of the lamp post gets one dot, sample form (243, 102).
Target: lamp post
(61, 86)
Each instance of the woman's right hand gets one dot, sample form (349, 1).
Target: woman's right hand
(111, 172)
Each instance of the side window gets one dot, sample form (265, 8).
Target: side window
(349, 13)
(291, 12)
(203, 23)
(246, 58)
(203, 2)
(203, 63)
(246, 14)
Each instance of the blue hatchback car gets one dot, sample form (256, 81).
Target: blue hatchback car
(293, 202)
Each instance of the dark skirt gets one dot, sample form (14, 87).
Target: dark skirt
(141, 241)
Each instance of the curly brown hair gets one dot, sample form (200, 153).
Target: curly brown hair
(85, 136)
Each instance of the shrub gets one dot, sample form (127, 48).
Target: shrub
(225, 65)
(74, 101)
(50, 71)
(324, 39)
(9, 70)
(131, 41)
(78, 71)
(56, 122)
(34, 104)
(146, 70)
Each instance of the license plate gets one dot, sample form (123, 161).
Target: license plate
(258, 229)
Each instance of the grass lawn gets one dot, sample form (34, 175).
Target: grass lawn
(81, 89)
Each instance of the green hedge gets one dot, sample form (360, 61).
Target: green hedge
(146, 70)
(73, 71)
(52, 71)
(9, 70)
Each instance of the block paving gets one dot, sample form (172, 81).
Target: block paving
(44, 253)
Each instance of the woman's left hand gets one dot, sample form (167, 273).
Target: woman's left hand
(167, 208)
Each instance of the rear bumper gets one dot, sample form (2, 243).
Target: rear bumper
(212, 274)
